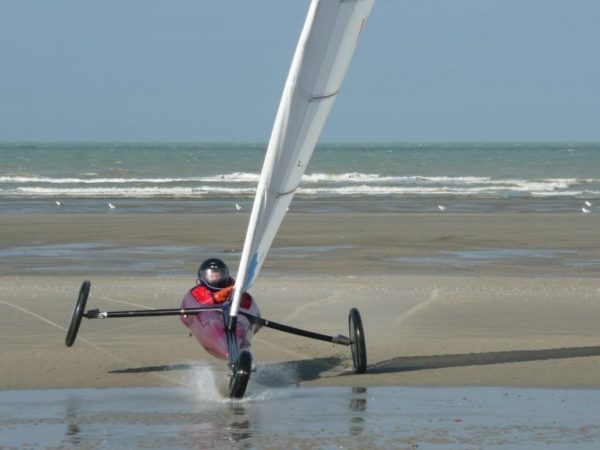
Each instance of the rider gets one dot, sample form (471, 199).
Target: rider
(214, 286)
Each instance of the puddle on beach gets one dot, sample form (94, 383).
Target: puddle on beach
(84, 257)
(198, 417)
(101, 258)
(591, 263)
(484, 256)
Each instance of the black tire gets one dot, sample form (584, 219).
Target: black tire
(241, 374)
(77, 314)
(357, 336)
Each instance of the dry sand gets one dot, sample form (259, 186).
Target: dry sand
(529, 320)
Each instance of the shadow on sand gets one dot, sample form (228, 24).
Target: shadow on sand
(287, 373)
(407, 363)
(269, 374)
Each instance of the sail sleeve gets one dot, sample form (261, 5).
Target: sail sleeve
(325, 48)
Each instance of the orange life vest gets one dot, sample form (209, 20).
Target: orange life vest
(205, 296)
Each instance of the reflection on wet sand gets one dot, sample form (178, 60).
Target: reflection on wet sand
(73, 430)
(240, 423)
(358, 409)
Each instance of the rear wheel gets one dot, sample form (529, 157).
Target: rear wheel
(77, 314)
(357, 336)
(241, 374)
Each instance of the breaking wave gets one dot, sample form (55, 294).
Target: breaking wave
(315, 185)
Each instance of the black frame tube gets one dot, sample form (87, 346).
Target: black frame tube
(342, 340)
(97, 314)
(229, 324)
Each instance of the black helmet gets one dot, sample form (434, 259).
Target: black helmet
(214, 273)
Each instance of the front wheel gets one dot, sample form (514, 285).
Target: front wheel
(357, 337)
(241, 374)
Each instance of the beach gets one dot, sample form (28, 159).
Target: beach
(446, 299)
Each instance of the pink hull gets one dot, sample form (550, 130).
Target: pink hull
(209, 329)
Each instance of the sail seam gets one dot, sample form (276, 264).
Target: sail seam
(325, 96)
(281, 194)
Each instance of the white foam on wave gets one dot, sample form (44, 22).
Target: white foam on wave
(235, 177)
(557, 194)
(492, 190)
(551, 184)
(130, 192)
(351, 178)
(353, 190)
(243, 184)
(73, 180)
(357, 177)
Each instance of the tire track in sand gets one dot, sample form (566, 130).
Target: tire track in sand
(433, 297)
(86, 341)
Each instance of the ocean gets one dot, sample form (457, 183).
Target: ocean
(372, 177)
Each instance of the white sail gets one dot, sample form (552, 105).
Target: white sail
(324, 51)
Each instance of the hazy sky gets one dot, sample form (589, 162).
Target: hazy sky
(213, 70)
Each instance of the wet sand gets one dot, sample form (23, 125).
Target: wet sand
(349, 418)
(446, 300)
